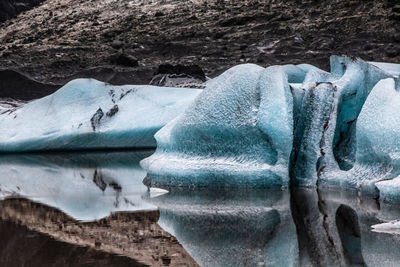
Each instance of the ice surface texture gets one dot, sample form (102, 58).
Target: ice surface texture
(250, 127)
(256, 127)
(238, 132)
(88, 114)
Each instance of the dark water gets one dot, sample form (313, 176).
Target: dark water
(88, 209)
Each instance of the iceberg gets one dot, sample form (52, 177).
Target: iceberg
(377, 159)
(86, 186)
(88, 114)
(286, 125)
(237, 133)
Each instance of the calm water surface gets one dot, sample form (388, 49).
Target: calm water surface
(91, 209)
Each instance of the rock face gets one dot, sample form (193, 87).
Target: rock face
(18, 86)
(179, 76)
(11, 8)
(63, 37)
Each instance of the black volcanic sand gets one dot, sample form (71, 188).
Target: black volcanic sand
(33, 234)
(126, 40)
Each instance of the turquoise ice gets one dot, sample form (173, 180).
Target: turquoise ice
(252, 127)
(237, 133)
(274, 228)
(286, 125)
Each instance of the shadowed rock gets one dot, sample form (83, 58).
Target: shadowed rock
(11, 8)
(18, 86)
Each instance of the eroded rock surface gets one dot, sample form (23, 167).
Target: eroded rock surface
(11, 8)
(63, 37)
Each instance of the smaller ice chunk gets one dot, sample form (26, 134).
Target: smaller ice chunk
(392, 227)
(378, 128)
(88, 114)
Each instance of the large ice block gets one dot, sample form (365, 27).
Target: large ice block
(237, 133)
(256, 127)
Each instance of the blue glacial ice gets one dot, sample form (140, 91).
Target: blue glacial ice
(88, 114)
(238, 132)
(325, 141)
(250, 127)
(85, 186)
(281, 125)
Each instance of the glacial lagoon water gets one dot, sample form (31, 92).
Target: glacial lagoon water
(85, 209)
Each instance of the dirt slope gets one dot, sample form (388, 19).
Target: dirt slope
(63, 37)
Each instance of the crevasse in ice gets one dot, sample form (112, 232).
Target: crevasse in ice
(256, 127)
(325, 141)
(88, 114)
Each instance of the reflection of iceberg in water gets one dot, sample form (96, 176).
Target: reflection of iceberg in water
(231, 228)
(334, 229)
(86, 186)
(275, 228)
